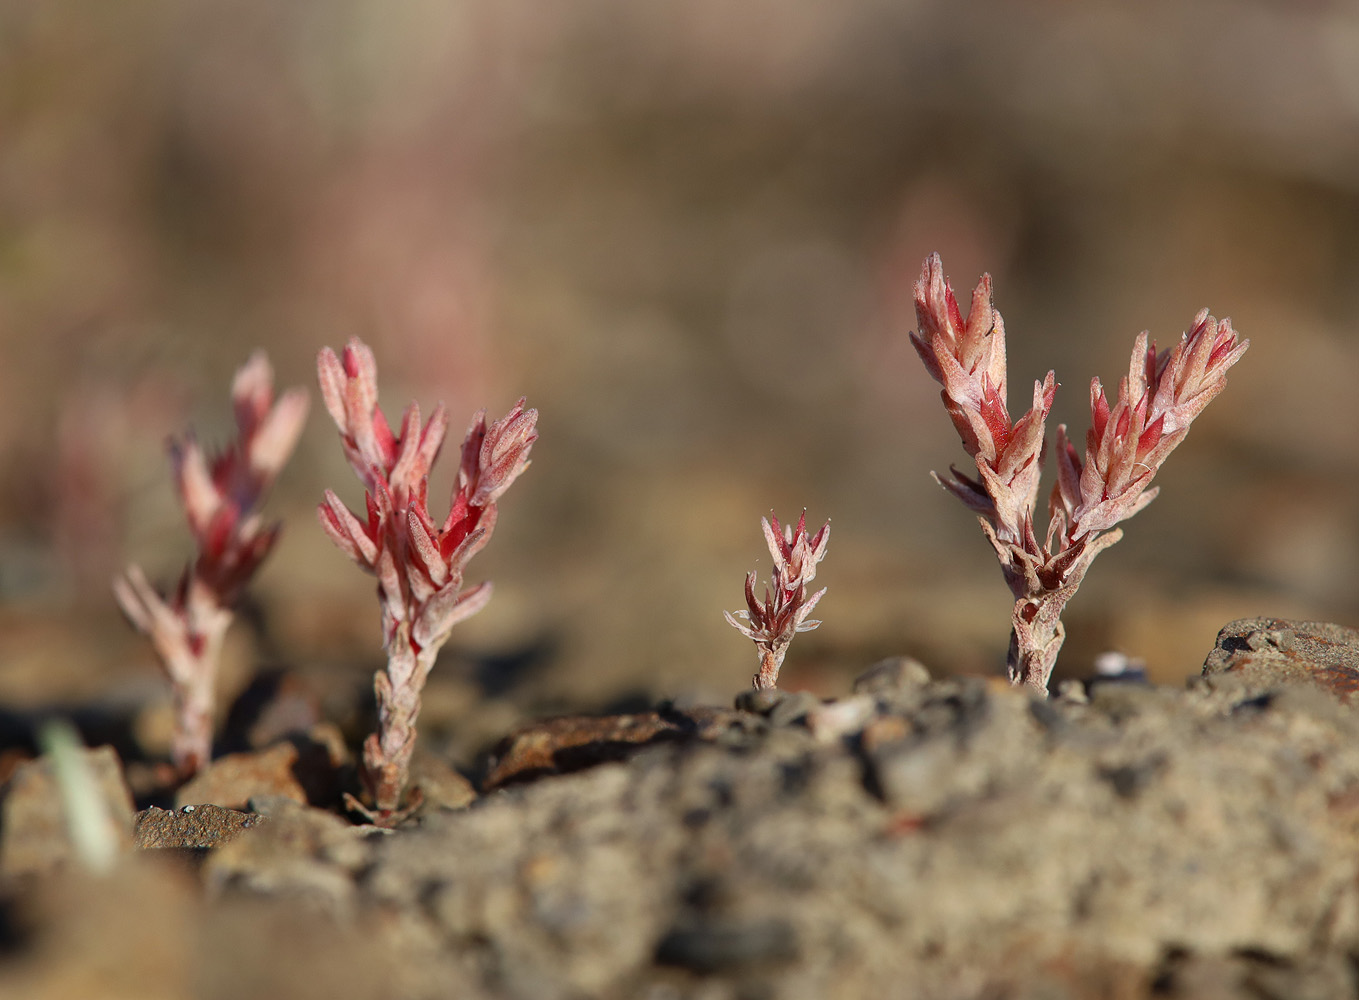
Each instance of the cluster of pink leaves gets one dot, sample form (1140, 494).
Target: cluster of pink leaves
(1126, 445)
(782, 614)
(221, 495)
(419, 564)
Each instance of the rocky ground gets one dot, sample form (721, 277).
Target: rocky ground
(916, 838)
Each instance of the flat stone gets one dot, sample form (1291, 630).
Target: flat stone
(192, 826)
(303, 769)
(573, 743)
(1270, 651)
(231, 781)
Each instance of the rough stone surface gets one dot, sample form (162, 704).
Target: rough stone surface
(1139, 842)
(896, 673)
(302, 851)
(231, 781)
(572, 743)
(954, 839)
(144, 932)
(1268, 651)
(440, 786)
(302, 769)
(34, 837)
(128, 935)
(194, 826)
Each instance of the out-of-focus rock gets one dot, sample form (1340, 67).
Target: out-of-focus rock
(439, 784)
(231, 781)
(972, 840)
(891, 675)
(274, 707)
(35, 832)
(134, 934)
(961, 836)
(1263, 652)
(300, 851)
(304, 769)
(573, 743)
(145, 933)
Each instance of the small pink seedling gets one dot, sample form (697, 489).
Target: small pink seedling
(220, 496)
(418, 564)
(782, 614)
(1125, 446)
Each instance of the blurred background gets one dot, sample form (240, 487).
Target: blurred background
(688, 233)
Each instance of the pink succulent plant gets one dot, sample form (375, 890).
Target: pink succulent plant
(1125, 447)
(220, 495)
(773, 622)
(419, 564)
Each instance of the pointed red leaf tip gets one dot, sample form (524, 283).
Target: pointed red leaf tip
(955, 316)
(1124, 418)
(966, 356)
(495, 456)
(1151, 362)
(931, 302)
(252, 392)
(1224, 343)
(359, 362)
(1099, 409)
(1151, 436)
(994, 414)
(220, 494)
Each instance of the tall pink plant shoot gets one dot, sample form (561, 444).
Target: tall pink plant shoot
(221, 495)
(1128, 441)
(419, 563)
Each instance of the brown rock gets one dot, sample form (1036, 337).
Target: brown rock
(323, 760)
(1277, 651)
(201, 826)
(440, 785)
(892, 674)
(304, 769)
(10, 761)
(133, 934)
(884, 731)
(276, 707)
(301, 852)
(34, 817)
(573, 743)
(231, 781)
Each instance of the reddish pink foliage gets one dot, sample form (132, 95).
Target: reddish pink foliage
(1126, 445)
(419, 563)
(773, 622)
(220, 495)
